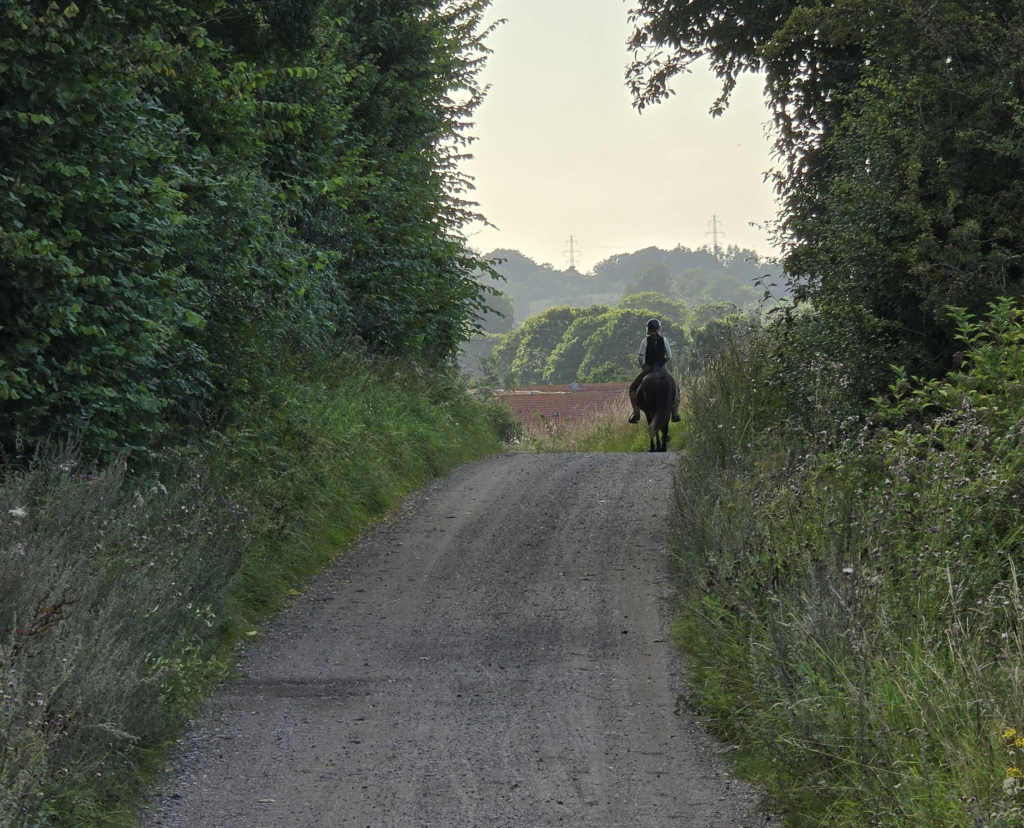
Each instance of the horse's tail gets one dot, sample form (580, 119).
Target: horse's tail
(658, 393)
(662, 408)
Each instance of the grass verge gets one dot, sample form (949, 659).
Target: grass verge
(123, 591)
(606, 432)
(851, 604)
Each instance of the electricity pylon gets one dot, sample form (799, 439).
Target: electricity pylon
(572, 252)
(714, 232)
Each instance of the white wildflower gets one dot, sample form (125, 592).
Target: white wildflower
(18, 512)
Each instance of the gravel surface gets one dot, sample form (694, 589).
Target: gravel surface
(496, 654)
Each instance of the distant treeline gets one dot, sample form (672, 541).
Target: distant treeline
(690, 276)
(598, 343)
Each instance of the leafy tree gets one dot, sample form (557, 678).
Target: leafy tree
(651, 278)
(523, 354)
(94, 303)
(563, 364)
(691, 285)
(616, 271)
(538, 287)
(192, 192)
(726, 288)
(500, 317)
(695, 286)
(899, 127)
(702, 314)
(618, 339)
(710, 339)
(476, 361)
(609, 372)
(657, 305)
(564, 344)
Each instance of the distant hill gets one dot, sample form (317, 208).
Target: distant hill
(693, 277)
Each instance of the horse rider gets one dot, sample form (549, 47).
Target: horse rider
(654, 353)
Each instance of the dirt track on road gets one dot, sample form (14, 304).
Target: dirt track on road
(496, 654)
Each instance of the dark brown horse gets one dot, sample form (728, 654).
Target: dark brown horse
(655, 397)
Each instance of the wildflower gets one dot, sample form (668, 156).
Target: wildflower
(1013, 772)
(18, 512)
(1009, 733)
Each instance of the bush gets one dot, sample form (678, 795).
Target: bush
(178, 181)
(852, 609)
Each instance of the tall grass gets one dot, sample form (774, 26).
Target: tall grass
(122, 591)
(851, 602)
(607, 431)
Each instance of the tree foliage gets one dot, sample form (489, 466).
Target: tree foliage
(651, 278)
(899, 126)
(500, 317)
(695, 276)
(657, 305)
(184, 184)
(618, 339)
(525, 351)
(564, 344)
(563, 362)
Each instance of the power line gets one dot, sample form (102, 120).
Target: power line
(572, 252)
(714, 232)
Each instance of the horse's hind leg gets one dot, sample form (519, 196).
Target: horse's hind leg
(662, 438)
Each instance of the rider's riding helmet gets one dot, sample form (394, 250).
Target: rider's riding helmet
(653, 325)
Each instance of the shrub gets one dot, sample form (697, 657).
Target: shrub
(852, 603)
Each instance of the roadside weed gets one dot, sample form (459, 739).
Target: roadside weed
(850, 598)
(607, 432)
(123, 591)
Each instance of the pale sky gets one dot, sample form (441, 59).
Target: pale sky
(561, 151)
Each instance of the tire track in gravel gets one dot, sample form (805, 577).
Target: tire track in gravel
(497, 654)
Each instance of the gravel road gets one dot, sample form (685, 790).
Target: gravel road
(496, 654)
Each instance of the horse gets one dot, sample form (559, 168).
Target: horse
(655, 397)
